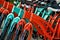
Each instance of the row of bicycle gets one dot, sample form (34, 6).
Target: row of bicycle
(21, 22)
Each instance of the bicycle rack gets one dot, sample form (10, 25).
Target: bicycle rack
(27, 12)
(43, 22)
(28, 17)
(23, 19)
(11, 24)
(14, 10)
(48, 29)
(8, 6)
(20, 13)
(42, 12)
